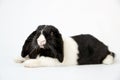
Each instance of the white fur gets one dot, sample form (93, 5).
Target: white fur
(70, 56)
(70, 51)
(31, 63)
(21, 60)
(48, 61)
(41, 40)
(41, 62)
(108, 60)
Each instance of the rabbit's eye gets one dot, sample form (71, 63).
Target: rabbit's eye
(51, 33)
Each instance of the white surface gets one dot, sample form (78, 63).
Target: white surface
(18, 18)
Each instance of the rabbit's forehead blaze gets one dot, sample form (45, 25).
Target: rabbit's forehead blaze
(45, 30)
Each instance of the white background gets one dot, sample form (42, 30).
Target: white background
(18, 18)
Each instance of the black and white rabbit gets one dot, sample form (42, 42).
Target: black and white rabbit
(47, 47)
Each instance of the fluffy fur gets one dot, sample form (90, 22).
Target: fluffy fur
(47, 47)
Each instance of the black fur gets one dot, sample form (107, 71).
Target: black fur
(53, 47)
(91, 50)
